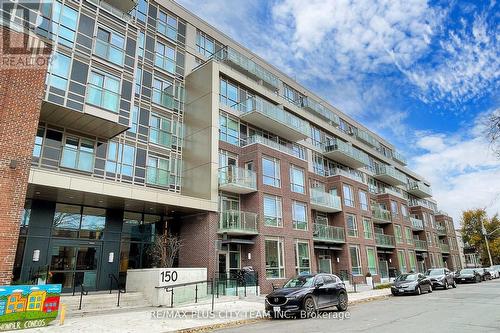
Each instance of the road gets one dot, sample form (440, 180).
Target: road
(468, 308)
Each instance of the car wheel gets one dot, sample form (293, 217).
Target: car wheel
(309, 306)
(343, 302)
(445, 285)
(430, 289)
(454, 285)
(419, 291)
(393, 293)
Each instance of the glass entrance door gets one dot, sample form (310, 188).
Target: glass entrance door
(73, 263)
(384, 269)
(325, 264)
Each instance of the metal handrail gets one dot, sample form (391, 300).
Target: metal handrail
(83, 292)
(112, 278)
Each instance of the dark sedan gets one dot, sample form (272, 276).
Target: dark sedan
(306, 294)
(413, 283)
(441, 278)
(467, 275)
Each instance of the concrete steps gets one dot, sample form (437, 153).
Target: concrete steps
(103, 301)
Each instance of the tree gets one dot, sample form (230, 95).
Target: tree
(164, 250)
(472, 234)
(493, 126)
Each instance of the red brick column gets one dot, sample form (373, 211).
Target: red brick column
(21, 92)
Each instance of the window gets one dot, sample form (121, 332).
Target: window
(165, 57)
(109, 45)
(409, 235)
(120, 159)
(204, 44)
(160, 131)
(138, 80)
(275, 264)
(141, 10)
(63, 26)
(367, 226)
(37, 149)
(355, 260)
(394, 207)
(271, 171)
(299, 215)
(372, 261)
(348, 197)
(157, 171)
(167, 25)
(78, 222)
(141, 39)
(229, 129)
(352, 226)
(297, 179)
(134, 119)
(413, 260)
(404, 210)
(363, 200)
(163, 93)
(272, 211)
(103, 91)
(302, 258)
(402, 261)
(429, 238)
(398, 234)
(58, 74)
(228, 94)
(78, 154)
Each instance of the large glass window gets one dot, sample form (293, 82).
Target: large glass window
(134, 119)
(302, 257)
(157, 171)
(165, 57)
(78, 154)
(110, 46)
(348, 195)
(120, 159)
(368, 230)
(272, 211)
(372, 261)
(394, 208)
(398, 233)
(275, 264)
(141, 42)
(413, 260)
(352, 226)
(404, 210)
(163, 93)
(160, 131)
(355, 260)
(402, 261)
(271, 171)
(297, 179)
(59, 71)
(229, 129)
(409, 235)
(63, 26)
(363, 200)
(204, 44)
(228, 94)
(141, 10)
(104, 91)
(78, 222)
(299, 215)
(167, 25)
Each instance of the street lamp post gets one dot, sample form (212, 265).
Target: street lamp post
(486, 234)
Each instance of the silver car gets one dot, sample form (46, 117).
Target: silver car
(441, 278)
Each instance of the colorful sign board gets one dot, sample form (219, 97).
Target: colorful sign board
(23, 306)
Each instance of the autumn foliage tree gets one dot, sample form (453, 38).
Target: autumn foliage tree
(472, 235)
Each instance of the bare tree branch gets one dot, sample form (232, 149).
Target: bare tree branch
(493, 131)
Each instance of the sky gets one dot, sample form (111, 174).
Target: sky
(422, 74)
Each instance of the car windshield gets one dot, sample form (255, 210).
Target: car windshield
(407, 277)
(467, 271)
(432, 272)
(299, 281)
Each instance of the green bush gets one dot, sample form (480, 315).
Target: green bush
(383, 286)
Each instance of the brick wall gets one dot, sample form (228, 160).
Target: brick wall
(21, 92)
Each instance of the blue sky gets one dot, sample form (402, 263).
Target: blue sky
(423, 74)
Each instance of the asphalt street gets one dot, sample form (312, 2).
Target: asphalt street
(468, 308)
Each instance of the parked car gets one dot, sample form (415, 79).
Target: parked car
(441, 277)
(495, 273)
(485, 274)
(468, 275)
(306, 294)
(412, 283)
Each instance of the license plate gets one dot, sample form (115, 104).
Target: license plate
(463, 279)
(401, 290)
(276, 309)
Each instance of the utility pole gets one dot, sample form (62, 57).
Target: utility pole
(485, 234)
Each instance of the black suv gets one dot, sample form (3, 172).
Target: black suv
(441, 277)
(306, 294)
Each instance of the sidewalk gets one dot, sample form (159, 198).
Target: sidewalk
(228, 310)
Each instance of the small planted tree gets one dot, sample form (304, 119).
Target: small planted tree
(164, 250)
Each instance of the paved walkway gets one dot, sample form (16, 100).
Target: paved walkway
(227, 311)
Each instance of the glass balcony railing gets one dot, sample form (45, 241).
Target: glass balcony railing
(419, 189)
(398, 157)
(417, 224)
(444, 247)
(384, 240)
(326, 233)
(247, 66)
(380, 214)
(390, 175)
(276, 113)
(77, 159)
(441, 229)
(367, 138)
(420, 245)
(352, 174)
(322, 111)
(272, 144)
(238, 222)
(353, 157)
(237, 180)
(324, 201)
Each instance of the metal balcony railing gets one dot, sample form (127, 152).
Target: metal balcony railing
(239, 222)
(328, 233)
(384, 240)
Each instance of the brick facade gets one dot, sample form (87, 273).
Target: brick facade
(21, 90)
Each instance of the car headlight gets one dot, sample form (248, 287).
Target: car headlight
(405, 285)
(292, 297)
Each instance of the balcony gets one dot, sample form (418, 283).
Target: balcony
(419, 189)
(398, 157)
(325, 202)
(381, 215)
(235, 222)
(420, 245)
(441, 230)
(345, 153)
(237, 180)
(416, 224)
(328, 234)
(119, 8)
(352, 174)
(272, 144)
(248, 67)
(445, 248)
(384, 240)
(388, 174)
(367, 138)
(315, 107)
(273, 118)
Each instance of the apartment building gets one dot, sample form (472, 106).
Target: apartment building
(152, 121)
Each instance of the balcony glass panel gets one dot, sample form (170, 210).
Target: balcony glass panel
(238, 221)
(379, 213)
(384, 240)
(328, 233)
(238, 176)
(321, 198)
